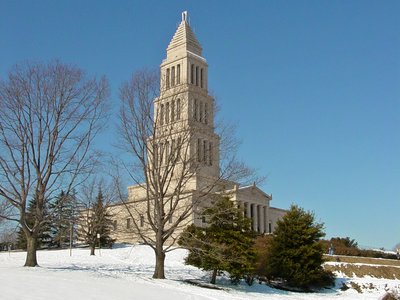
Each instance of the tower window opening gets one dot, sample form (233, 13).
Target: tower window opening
(178, 146)
(178, 74)
(197, 76)
(141, 220)
(172, 76)
(173, 150)
(167, 113)
(198, 150)
(205, 151)
(155, 154)
(192, 73)
(167, 153)
(210, 152)
(201, 77)
(172, 110)
(201, 111)
(196, 110)
(167, 79)
(178, 109)
(162, 115)
(206, 113)
(161, 155)
(128, 223)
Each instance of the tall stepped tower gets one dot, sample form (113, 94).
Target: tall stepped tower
(184, 102)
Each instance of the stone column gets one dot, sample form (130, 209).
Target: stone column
(255, 218)
(248, 208)
(262, 218)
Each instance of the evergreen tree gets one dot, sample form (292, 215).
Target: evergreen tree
(295, 255)
(63, 219)
(44, 236)
(93, 221)
(226, 244)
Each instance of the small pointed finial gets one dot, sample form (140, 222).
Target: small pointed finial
(184, 16)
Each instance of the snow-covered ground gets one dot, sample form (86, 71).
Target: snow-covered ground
(125, 273)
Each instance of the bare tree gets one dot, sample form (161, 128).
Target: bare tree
(49, 117)
(168, 162)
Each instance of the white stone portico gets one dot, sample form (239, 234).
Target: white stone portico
(184, 102)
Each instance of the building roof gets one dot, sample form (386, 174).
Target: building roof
(184, 37)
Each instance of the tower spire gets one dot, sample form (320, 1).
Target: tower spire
(184, 38)
(184, 16)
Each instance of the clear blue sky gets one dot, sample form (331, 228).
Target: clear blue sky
(314, 87)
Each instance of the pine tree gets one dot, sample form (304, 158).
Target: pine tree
(44, 237)
(63, 219)
(226, 244)
(295, 255)
(93, 221)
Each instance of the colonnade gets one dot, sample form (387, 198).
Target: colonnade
(259, 216)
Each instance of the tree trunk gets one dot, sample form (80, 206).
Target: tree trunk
(160, 259)
(214, 276)
(31, 260)
(92, 248)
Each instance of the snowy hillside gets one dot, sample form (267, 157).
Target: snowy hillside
(125, 273)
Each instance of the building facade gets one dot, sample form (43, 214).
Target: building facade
(184, 143)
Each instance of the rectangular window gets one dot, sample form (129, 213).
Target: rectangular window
(178, 147)
(269, 228)
(128, 223)
(196, 110)
(206, 113)
(178, 109)
(173, 149)
(205, 151)
(167, 79)
(167, 158)
(141, 220)
(178, 74)
(115, 225)
(162, 115)
(201, 111)
(172, 76)
(197, 76)
(167, 113)
(210, 158)
(155, 154)
(198, 150)
(161, 155)
(201, 78)
(172, 110)
(192, 73)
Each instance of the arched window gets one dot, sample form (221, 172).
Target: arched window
(178, 74)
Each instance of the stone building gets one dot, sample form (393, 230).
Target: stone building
(184, 119)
